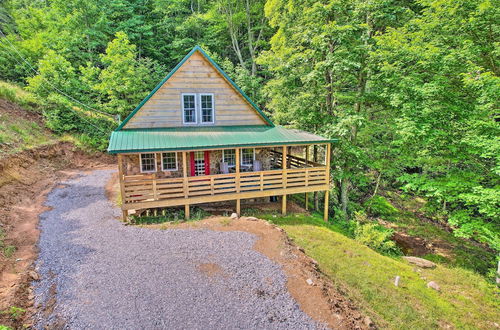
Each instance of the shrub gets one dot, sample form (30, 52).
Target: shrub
(376, 237)
(14, 312)
(380, 206)
(9, 251)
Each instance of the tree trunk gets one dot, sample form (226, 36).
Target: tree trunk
(344, 195)
(250, 35)
(233, 32)
(377, 184)
(316, 196)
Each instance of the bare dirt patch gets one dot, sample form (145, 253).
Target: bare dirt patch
(210, 269)
(25, 180)
(315, 293)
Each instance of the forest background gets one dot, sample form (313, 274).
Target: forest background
(409, 87)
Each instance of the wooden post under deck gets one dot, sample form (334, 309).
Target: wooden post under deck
(284, 165)
(185, 184)
(122, 185)
(237, 178)
(306, 197)
(327, 163)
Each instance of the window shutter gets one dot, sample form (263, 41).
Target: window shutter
(191, 163)
(207, 162)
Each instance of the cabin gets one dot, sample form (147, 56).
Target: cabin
(198, 138)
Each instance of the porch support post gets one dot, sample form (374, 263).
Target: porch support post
(284, 163)
(327, 173)
(306, 197)
(122, 185)
(237, 180)
(316, 193)
(185, 185)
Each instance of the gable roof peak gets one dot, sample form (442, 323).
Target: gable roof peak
(217, 67)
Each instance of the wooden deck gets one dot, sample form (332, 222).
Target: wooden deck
(145, 191)
(295, 175)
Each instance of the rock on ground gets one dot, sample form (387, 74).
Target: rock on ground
(105, 275)
(433, 285)
(423, 263)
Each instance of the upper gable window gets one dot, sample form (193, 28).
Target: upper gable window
(189, 108)
(207, 108)
(198, 108)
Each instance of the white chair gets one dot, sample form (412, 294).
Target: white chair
(257, 165)
(224, 168)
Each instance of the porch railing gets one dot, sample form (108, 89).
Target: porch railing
(292, 161)
(144, 189)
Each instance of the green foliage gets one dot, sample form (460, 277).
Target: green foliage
(380, 206)
(374, 235)
(466, 300)
(124, 81)
(9, 250)
(168, 215)
(15, 313)
(16, 94)
(409, 87)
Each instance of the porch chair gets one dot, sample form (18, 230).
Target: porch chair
(257, 165)
(224, 168)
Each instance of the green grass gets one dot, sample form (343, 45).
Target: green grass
(18, 133)
(7, 250)
(15, 313)
(466, 299)
(16, 94)
(459, 252)
(168, 215)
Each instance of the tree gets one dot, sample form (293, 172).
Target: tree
(320, 60)
(246, 25)
(439, 75)
(124, 81)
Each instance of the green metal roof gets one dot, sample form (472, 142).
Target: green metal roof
(213, 137)
(217, 67)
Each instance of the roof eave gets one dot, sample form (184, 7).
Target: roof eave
(216, 147)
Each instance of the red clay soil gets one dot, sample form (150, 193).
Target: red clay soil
(16, 111)
(25, 180)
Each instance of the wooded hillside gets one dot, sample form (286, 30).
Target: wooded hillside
(409, 87)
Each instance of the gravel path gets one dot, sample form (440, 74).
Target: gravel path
(110, 276)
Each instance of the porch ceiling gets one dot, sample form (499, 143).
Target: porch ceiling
(213, 137)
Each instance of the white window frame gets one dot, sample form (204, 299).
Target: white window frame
(198, 118)
(195, 109)
(224, 157)
(241, 156)
(176, 162)
(200, 110)
(140, 160)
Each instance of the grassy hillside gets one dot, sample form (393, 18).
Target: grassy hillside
(466, 299)
(21, 124)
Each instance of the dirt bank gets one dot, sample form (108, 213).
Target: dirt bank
(25, 179)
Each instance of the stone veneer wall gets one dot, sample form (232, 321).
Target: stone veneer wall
(132, 166)
(132, 163)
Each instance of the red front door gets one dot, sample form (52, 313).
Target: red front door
(200, 163)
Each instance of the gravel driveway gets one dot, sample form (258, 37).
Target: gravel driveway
(110, 276)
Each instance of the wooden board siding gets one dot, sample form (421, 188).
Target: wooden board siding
(196, 75)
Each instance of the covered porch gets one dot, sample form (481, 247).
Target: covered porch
(204, 174)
